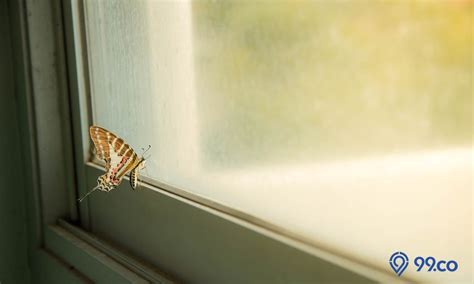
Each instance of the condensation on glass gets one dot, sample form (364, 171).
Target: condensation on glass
(326, 118)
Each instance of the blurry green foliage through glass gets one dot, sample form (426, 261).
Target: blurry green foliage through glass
(298, 81)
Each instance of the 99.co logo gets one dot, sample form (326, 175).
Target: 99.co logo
(399, 262)
(433, 265)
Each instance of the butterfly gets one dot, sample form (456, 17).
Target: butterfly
(119, 158)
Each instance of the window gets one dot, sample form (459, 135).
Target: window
(329, 123)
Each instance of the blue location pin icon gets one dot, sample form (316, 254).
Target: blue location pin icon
(399, 262)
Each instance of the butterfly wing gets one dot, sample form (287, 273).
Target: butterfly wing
(100, 137)
(119, 157)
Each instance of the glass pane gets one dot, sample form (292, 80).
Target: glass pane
(335, 120)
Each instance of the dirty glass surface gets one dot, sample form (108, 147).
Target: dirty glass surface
(306, 114)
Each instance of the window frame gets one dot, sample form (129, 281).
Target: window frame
(61, 228)
(82, 118)
(56, 252)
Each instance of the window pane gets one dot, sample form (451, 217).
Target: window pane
(320, 81)
(321, 117)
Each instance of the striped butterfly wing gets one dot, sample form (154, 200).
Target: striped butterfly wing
(119, 157)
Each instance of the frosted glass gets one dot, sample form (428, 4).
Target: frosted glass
(316, 116)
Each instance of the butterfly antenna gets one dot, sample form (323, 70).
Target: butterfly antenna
(146, 150)
(87, 194)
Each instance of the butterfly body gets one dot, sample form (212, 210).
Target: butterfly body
(134, 174)
(119, 157)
